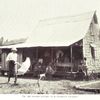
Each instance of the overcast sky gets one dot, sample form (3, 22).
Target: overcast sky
(18, 18)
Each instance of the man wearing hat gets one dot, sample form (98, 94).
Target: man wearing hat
(11, 62)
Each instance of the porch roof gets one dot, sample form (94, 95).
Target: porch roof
(60, 31)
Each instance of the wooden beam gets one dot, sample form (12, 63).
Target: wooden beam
(71, 55)
(36, 53)
(51, 54)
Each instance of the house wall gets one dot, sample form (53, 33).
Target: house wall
(3, 61)
(92, 37)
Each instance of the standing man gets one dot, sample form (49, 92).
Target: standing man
(11, 62)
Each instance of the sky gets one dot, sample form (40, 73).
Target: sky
(19, 18)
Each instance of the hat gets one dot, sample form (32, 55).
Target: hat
(40, 60)
(14, 49)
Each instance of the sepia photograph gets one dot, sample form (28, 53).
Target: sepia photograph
(49, 47)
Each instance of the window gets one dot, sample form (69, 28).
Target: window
(93, 52)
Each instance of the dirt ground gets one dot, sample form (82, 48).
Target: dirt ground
(31, 86)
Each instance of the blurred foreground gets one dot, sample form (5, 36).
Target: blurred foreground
(31, 86)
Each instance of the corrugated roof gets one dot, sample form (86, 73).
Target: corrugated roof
(60, 31)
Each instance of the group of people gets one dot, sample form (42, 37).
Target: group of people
(61, 57)
(82, 70)
(39, 67)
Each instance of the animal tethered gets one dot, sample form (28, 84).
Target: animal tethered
(42, 76)
(49, 70)
(24, 66)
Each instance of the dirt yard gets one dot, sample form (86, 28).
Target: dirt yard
(31, 86)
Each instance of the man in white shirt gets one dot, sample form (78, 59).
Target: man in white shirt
(11, 62)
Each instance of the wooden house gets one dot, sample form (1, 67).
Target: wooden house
(75, 36)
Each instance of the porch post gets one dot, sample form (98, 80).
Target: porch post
(36, 53)
(51, 54)
(71, 55)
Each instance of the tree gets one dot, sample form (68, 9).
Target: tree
(1, 41)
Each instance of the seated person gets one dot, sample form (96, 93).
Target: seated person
(59, 56)
(49, 71)
(80, 75)
(66, 59)
(46, 58)
(38, 67)
(84, 66)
